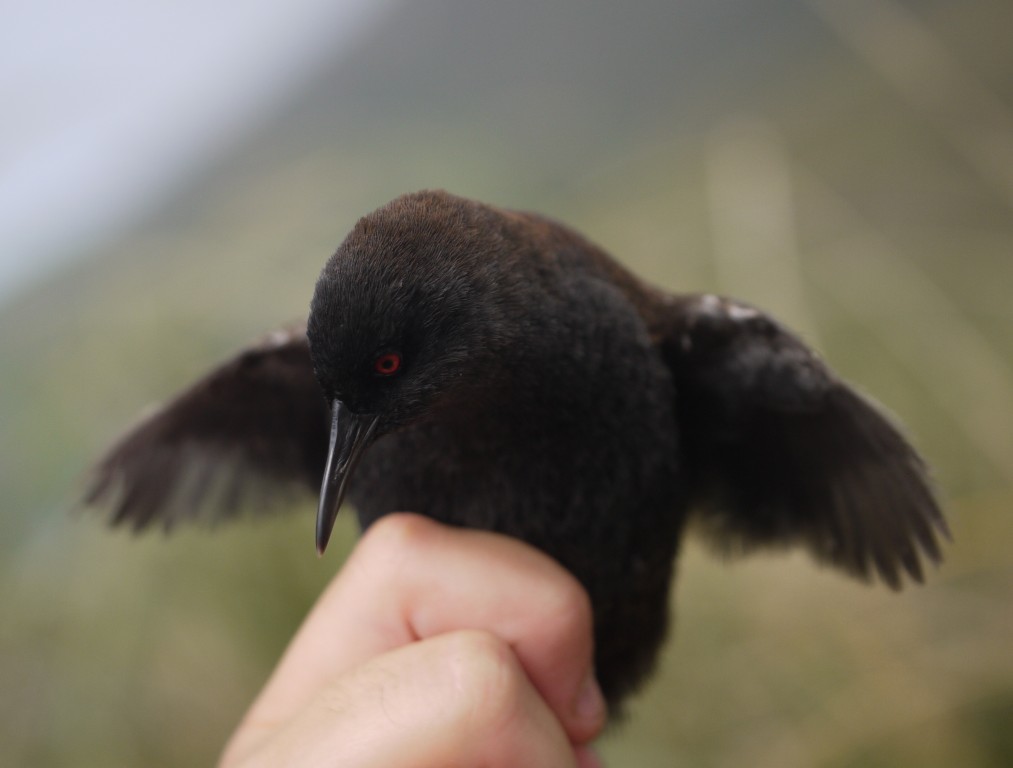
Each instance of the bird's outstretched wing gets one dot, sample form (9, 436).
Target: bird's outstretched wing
(253, 427)
(780, 451)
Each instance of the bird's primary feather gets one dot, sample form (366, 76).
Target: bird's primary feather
(238, 438)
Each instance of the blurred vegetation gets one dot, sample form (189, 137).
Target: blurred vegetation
(846, 165)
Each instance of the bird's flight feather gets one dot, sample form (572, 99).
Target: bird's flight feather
(251, 428)
(780, 451)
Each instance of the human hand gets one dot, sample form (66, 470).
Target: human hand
(433, 646)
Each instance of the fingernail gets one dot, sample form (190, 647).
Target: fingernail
(590, 702)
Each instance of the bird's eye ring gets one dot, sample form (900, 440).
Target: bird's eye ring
(387, 364)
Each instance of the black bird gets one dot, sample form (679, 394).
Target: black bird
(494, 369)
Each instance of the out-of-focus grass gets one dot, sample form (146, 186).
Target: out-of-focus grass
(136, 652)
(774, 663)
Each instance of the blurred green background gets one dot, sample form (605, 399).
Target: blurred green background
(847, 165)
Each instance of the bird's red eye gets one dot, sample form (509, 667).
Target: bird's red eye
(387, 364)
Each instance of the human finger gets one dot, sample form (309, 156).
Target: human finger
(411, 578)
(460, 698)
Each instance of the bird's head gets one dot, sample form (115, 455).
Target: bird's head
(403, 323)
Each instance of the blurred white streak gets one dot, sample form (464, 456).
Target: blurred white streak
(753, 224)
(916, 320)
(905, 53)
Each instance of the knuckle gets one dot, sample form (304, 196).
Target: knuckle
(565, 605)
(395, 534)
(486, 677)
(388, 551)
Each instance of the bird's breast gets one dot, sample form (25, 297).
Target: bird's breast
(575, 474)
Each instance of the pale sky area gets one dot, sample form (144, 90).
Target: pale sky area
(107, 105)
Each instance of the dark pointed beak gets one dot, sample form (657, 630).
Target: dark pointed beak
(350, 434)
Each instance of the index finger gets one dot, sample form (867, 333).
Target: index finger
(411, 578)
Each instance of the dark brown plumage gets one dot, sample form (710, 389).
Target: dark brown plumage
(494, 369)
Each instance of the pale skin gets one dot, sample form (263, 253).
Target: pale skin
(433, 647)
